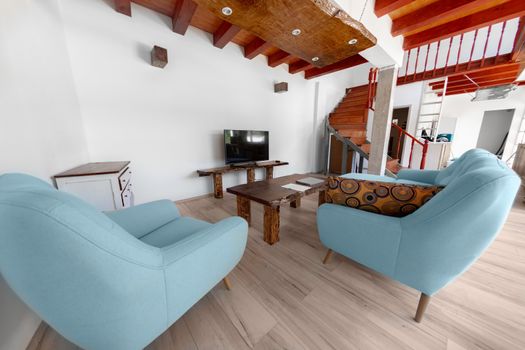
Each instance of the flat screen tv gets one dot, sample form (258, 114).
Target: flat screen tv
(243, 146)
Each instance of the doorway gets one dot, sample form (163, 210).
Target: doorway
(494, 130)
(400, 118)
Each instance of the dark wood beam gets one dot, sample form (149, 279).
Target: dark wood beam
(299, 66)
(383, 7)
(184, 10)
(502, 62)
(278, 58)
(255, 48)
(496, 14)
(436, 10)
(224, 34)
(349, 62)
(123, 6)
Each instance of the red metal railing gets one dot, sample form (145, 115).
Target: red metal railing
(454, 66)
(424, 145)
(372, 88)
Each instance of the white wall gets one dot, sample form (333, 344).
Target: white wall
(494, 127)
(41, 131)
(169, 122)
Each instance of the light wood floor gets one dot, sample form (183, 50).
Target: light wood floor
(284, 298)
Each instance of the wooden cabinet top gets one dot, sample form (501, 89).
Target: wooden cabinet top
(99, 168)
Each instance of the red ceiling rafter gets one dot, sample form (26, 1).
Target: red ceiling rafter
(344, 64)
(278, 58)
(502, 12)
(299, 66)
(182, 15)
(255, 48)
(383, 7)
(224, 34)
(123, 6)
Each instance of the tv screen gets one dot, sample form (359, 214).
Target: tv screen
(243, 146)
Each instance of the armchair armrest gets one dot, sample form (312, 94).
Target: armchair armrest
(235, 225)
(426, 176)
(144, 218)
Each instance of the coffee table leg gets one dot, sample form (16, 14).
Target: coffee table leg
(296, 203)
(250, 175)
(269, 173)
(243, 209)
(322, 197)
(217, 185)
(271, 224)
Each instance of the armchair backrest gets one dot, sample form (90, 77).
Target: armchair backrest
(77, 269)
(445, 236)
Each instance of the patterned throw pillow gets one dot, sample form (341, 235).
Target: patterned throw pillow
(387, 198)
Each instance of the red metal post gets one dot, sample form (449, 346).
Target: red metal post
(417, 61)
(472, 50)
(459, 51)
(408, 63)
(411, 152)
(424, 155)
(448, 54)
(368, 102)
(436, 60)
(501, 38)
(426, 61)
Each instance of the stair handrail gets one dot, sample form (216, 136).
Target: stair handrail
(423, 144)
(347, 141)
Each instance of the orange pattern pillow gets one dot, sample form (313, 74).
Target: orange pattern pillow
(387, 198)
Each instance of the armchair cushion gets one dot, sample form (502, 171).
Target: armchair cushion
(392, 199)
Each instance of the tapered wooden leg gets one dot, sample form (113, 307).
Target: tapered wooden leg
(269, 173)
(296, 203)
(322, 197)
(217, 185)
(424, 300)
(328, 256)
(244, 209)
(271, 224)
(227, 283)
(250, 175)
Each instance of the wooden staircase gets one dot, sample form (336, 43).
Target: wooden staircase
(350, 117)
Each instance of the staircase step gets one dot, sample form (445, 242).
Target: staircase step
(358, 88)
(352, 132)
(350, 109)
(347, 120)
(355, 126)
(358, 140)
(356, 100)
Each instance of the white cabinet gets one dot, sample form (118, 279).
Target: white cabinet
(106, 185)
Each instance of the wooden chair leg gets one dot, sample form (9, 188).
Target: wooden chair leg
(227, 283)
(328, 256)
(424, 300)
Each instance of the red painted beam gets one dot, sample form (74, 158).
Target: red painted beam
(383, 7)
(278, 58)
(299, 66)
(349, 62)
(496, 14)
(480, 85)
(481, 79)
(502, 61)
(184, 10)
(224, 34)
(255, 47)
(123, 6)
(480, 82)
(428, 14)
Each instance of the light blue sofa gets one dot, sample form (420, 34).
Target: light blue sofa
(431, 247)
(113, 281)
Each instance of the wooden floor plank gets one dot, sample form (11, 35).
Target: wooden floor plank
(283, 297)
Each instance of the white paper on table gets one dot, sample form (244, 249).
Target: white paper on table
(296, 187)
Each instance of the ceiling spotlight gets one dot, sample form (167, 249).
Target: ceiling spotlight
(352, 41)
(315, 59)
(296, 32)
(227, 11)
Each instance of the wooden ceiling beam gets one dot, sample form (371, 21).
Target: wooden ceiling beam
(480, 85)
(349, 62)
(123, 6)
(430, 13)
(299, 66)
(224, 34)
(182, 15)
(502, 62)
(496, 14)
(278, 58)
(489, 75)
(255, 48)
(384, 7)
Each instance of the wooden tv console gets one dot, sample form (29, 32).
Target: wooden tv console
(216, 173)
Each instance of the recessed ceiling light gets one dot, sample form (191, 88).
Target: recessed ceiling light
(296, 32)
(315, 59)
(352, 41)
(227, 11)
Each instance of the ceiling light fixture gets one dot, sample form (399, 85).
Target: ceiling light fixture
(227, 11)
(352, 41)
(296, 32)
(315, 59)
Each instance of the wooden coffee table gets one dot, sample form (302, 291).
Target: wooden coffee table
(272, 195)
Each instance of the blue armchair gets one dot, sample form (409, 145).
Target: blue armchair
(429, 248)
(109, 281)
